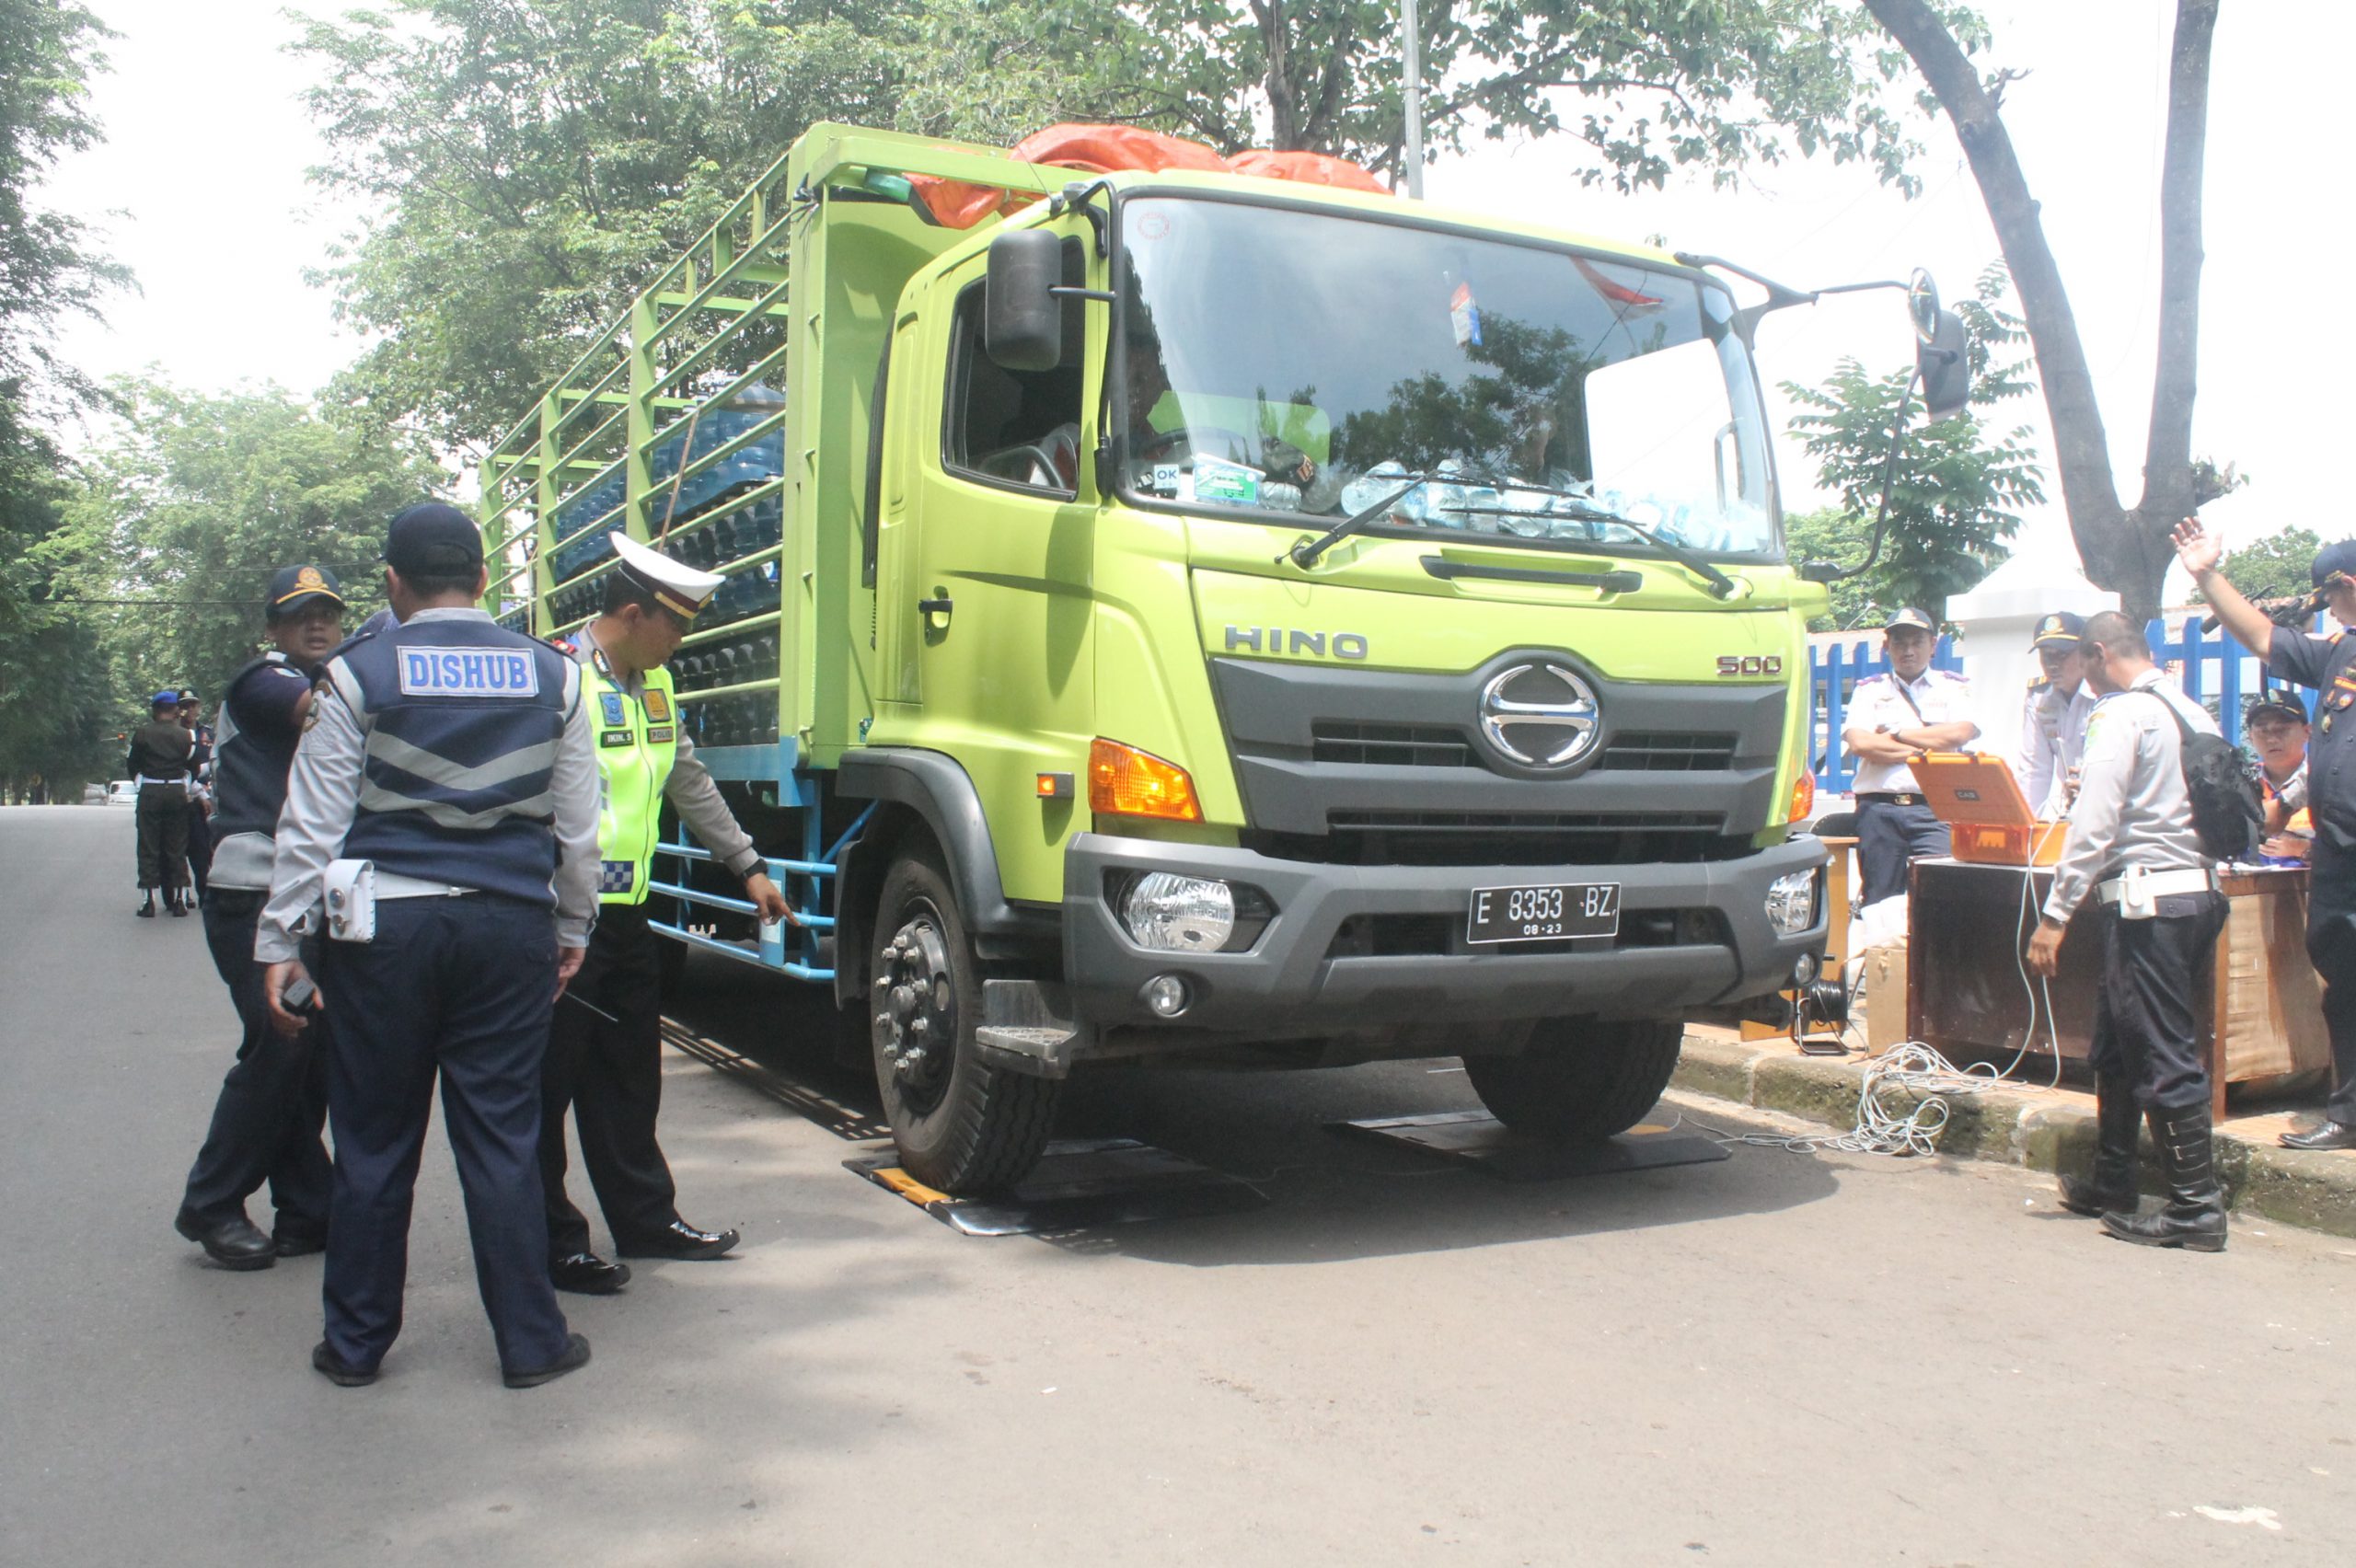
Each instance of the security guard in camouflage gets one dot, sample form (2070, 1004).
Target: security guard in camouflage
(605, 1051)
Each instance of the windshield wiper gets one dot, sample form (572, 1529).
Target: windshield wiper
(1304, 554)
(1585, 509)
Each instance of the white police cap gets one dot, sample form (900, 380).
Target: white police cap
(680, 588)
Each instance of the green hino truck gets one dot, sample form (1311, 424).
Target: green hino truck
(1194, 617)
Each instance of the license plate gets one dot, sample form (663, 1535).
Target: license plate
(1544, 913)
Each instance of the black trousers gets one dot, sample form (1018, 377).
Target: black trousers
(163, 835)
(1890, 838)
(2145, 1030)
(610, 1072)
(2331, 948)
(200, 846)
(457, 988)
(274, 1100)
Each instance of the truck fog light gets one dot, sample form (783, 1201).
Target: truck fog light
(1166, 995)
(1791, 902)
(1804, 970)
(1175, 913)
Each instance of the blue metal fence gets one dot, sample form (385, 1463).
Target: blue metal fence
(2213, 668)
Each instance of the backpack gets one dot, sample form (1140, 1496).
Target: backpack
(2223, 784)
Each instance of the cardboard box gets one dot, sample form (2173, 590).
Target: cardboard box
(1885, 995)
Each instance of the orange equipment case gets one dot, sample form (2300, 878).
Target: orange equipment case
(1981, 801)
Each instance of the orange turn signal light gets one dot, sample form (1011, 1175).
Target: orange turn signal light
(1803, 796)
(1125, 781)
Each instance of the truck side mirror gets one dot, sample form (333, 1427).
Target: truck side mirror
(1945, 367)
(1022, 324)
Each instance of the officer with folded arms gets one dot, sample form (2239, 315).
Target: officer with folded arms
(266, 1123)
(605, 1049)
(443, 808)
(2132, 848)
(2328, 664)
(1893, 719)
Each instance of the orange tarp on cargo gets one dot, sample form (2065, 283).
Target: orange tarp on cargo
(1101, 149)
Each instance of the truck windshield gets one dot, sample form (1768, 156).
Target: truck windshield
(1280, 362)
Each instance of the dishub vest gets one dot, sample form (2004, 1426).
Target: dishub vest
(249, 789)
(460, 721)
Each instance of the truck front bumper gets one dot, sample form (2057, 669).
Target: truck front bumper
(1373, 949)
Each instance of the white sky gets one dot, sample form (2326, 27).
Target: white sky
(200, 187)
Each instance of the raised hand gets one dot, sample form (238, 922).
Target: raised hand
(2198, 549)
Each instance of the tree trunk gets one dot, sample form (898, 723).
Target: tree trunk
(2124, 551)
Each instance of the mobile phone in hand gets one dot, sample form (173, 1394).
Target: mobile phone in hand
(301, 998)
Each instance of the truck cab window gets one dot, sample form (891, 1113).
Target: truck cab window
(1014, 428)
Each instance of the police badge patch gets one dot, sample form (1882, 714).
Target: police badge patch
(658, 705)
(611, 701)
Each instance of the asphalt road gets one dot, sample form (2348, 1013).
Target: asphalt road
(1780, 1358)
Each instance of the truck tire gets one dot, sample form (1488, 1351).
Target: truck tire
(1580, 1081)
(962, 1125)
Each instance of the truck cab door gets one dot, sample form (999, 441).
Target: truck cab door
(984, 595)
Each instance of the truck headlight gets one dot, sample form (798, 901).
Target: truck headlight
(1174, 914)
(1791, 902)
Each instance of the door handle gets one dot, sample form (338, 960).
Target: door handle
(940, 606)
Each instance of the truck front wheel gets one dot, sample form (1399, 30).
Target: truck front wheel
(1578, 1079)
(962, 1125)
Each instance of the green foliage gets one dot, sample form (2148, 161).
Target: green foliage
(1957, 492)
(530, 164)
(188, 509)
(2275, 567)
(52, 689)
(1650, 86)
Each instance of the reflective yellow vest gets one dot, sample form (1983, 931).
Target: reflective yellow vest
(637, 744)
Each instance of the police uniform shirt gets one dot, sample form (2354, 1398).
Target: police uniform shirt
(263, 703)
(160, 751)
(2328, 664)
(2054, 737)
(689, 787)
(2133, 808)
(323, 793)
(1943, 696)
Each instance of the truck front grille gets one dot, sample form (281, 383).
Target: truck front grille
(1508, 838)
(1346, 744)
(1431, 936)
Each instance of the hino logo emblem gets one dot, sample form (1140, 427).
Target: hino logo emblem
(1540, 715)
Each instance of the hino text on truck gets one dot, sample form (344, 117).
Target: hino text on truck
(1179, 613)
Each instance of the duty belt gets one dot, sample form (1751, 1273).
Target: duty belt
(167, 783)
(1886, 799)
(2161, 885)
(391, 885)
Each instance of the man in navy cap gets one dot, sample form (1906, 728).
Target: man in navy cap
(2327, 665)
(2054, 720)
(159, 759)
(605, 1049)
(266, 1122)
(443, 808)
(1893, 719)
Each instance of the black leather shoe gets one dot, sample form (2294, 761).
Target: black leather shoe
(176, 906)
(575, 1357)
(585, 1274)
(234, 1243)
(146, 911)
(678, 1239)
(2330, 1135)
(297, 1243)
(337, 1370)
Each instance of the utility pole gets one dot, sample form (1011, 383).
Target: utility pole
(1415, 95)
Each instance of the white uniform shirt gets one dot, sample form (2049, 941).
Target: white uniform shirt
(1944, 697)
(2054, 737)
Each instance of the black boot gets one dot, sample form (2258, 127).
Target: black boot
(146, 910)
(2193, 1215)
(2111, 1183)
(173, 905)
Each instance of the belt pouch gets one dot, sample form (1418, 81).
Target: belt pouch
(350, 890)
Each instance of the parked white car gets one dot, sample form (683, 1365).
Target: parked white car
(123, 793)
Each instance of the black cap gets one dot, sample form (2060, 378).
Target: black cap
(2337, 559)
(2060, 629)
(294, 588)
(1909, 615)
(431, 539)
(2276, 705)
